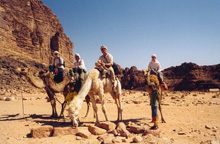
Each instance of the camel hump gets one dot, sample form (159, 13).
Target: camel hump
(94, 73)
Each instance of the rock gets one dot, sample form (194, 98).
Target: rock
(155, 133)
(118, 139)
(96, 130)
(121, 129)
(78, 138)
(25, 98)
(9, 98)
(137, 102)
(214, 142)
(109, 126)
(107, 140)
(181, 133)
(59, 131)
(83, 133)
(2, 98)
(138, 129)
(137, 139)
(207, 127)
(44, 131)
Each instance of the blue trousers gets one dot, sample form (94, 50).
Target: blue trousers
(154, 111)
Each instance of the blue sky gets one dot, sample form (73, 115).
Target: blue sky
(177, 31)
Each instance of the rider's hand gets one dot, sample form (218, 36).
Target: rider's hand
(56, 71)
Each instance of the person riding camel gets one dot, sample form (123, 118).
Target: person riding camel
(155, 68)
(79, 67)
(57, 67)
(106, 61)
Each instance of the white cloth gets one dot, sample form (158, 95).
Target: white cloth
(154, 65)
(57, 63)
(80, 64)
(107, 59)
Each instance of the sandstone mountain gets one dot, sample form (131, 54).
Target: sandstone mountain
(30, 32)
(186, 77)
(190, 76)
(29, 29)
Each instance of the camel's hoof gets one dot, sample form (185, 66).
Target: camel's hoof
(54, 116)
(163, 121)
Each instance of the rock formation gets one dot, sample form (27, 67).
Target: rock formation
(189, 76)
(31, 29)
(186, 77)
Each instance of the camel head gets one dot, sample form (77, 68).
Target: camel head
(22, 71)
(32, 78)
(151, 79)
(74, 112)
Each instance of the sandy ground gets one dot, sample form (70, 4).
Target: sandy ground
(190, 118)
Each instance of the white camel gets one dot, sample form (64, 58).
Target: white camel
(93, 85)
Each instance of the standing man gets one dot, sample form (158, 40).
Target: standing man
(58, 67)
(79, 67)
(107, 62)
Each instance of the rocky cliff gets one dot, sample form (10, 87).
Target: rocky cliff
(190, 76)
(186, 77)
(30, 29)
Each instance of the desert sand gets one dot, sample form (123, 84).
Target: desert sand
(191, 118)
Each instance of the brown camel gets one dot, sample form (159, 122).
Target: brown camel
(153, 80)
(44, 79)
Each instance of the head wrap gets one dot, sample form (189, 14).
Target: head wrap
(103, 47)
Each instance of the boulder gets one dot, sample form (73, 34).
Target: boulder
(96, 130)
(138, 129)
(137, 139)
(121, 129)
(83, 133)
(60, 131)
(155, 133)
(40, 132)
(9, 98)
(109, 126)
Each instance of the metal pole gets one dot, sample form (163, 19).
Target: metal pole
(22, 99)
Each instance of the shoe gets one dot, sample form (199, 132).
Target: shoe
(154, 128)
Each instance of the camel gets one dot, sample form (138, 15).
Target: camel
(93, 85)
(153, 80)
(44, 79)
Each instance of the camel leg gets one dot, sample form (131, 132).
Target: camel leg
(119, 108)
(160, 108)
(94, 107)
(101, 95)
(64, 103)
(162, 119)
(117, 99)
(53, 102)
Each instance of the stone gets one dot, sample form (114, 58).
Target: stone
(207, 127)
(25, 98)
(121, 129)
(107, 140)
(109, 126)
(83, 133)
(181, 133)
(155, 133)
(137, 102)
(9, 98)
(40, 132)
(137, 139)
(138, 129)
(60, 131)
(96, 130)
(2, 98)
